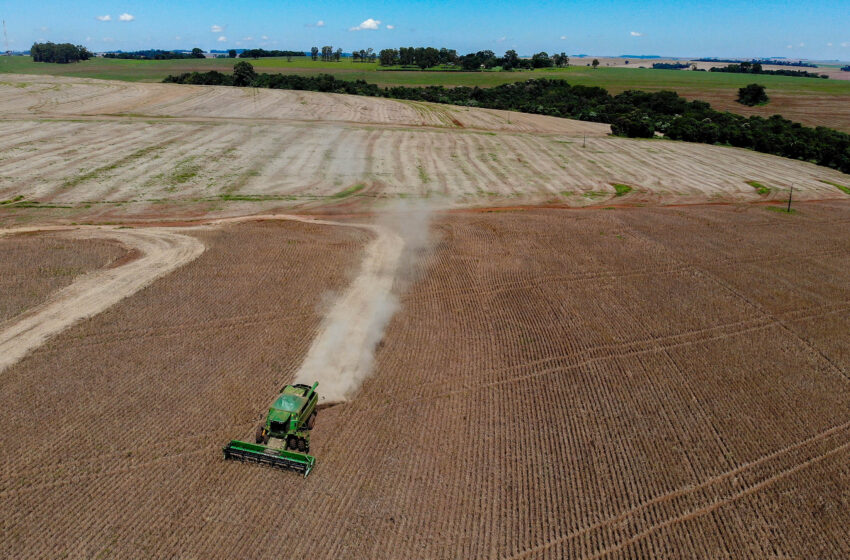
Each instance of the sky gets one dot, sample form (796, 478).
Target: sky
(814, 29)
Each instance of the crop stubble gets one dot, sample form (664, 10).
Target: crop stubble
(108, 149)
(34, 266)
(642, 382)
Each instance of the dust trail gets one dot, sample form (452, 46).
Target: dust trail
(163, 251)
(343, 352)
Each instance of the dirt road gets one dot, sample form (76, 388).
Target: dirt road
(162, 251)
(340, 356)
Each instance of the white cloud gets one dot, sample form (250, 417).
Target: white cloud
(88, 39)
(265, 37)
(126, 17)
(222, 39)
(247, 38)
(501, 39)
(177, 38)
(107, 39)
(829, 44)
(320, 23)
(390, 27)
(216, 28)
(845, 44)
(802, 44)
(635, 34)
(563, 37)
(790, 46)
(42, 28)
(107, 17)
(368, 24)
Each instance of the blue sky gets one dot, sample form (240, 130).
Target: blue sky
(818, 29)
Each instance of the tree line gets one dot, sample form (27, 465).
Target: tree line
(635, 114)
(670, 66)
(430, 57)
(761, 61)
(154, 54)
(61, 53)
(262, 53)
(756, 68)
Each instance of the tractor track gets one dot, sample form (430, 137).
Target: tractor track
(161, 252)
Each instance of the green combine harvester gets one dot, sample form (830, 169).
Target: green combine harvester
(283, 440)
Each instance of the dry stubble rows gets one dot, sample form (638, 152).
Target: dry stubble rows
(33, 266)
(630, 383)
(83, 144)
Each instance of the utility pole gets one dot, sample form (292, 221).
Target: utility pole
(6, 39)
(790, 194)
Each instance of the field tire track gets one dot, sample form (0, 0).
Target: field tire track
(162, 252)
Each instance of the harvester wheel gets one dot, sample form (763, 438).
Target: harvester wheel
(291, 443)
(302, 445)
(259, 436)
(311, 421)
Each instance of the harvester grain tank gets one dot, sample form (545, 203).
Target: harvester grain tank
(283, 440)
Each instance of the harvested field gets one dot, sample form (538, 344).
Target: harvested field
(205, 152)
(34, 266)
(48, 96)
(152, 253)
(640, 382)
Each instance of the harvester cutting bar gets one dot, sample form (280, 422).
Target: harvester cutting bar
(280, 458)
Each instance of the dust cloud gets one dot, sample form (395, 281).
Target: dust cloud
(343, 352)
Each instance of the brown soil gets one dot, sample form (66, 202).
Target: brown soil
(618, 383)
(33, 266)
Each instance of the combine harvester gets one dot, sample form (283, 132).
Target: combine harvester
(283, 440)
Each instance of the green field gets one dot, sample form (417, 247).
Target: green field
(612, 79)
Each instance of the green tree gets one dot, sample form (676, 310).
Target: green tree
(231, 53)
(752, 94)
(595, 63)
(511, 60)
(197, 53)
(314, 53)
(243, 73)
(541, 60)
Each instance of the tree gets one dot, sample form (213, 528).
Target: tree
(231, 53)
(388, 57)
(197, 53)
(560, 60)
(243, 73)
(752, 94)
(314, 53)
(595, 63)
(541, 60)
(337, 55)
(61, 53)
(511, 60)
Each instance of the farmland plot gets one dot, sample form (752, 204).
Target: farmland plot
(621, 383)
(34, 266)
(83, 149)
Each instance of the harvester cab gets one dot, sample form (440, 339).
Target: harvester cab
(283, 439)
